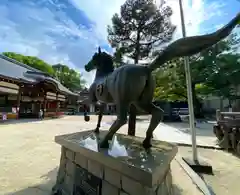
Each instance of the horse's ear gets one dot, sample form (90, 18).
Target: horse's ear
(99, 50)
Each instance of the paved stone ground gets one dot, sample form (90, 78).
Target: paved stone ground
(226, 169)
(29, 157)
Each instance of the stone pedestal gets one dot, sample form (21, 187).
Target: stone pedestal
(123, 169)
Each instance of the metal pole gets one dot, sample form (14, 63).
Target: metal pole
(189, 91)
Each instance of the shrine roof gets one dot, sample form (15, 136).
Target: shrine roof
(13, 69)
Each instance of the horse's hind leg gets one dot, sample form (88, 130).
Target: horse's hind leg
(157, 116)
(118, 123)
(100, 115)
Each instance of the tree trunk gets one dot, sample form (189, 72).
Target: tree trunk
(136, 57)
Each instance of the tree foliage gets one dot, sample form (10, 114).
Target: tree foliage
(140, 28)
(118, 57)
(68, 77)
(214, 71)
(170, 81)
(224, 81)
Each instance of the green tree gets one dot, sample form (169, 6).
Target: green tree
(69, 77)
(140, 28)
(213, 71)
(224, 81)
(170, 81)
(118, 57)
(31, 61)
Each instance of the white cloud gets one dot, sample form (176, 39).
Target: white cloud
(54, 36)
(70, 43)
(101, 12)
(195, 13)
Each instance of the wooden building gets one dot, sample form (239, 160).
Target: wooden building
(25, 90)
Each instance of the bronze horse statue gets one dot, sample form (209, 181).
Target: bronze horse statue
(131, 84)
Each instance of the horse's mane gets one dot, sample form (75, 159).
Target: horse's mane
(107, 61)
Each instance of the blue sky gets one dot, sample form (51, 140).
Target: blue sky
(69, 31)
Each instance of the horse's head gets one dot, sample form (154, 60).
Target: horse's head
(100, 61)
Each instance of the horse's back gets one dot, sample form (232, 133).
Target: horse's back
(128, 82)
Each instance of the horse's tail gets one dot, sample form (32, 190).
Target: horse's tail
(191, 45)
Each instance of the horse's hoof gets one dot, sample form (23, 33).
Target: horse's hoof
(86, 118)
(147, 144)
(104, 144)
(96, 130)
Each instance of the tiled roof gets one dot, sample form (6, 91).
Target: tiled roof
(13, 69)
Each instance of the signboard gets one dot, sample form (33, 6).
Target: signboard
(14, 110)
(86, 183)
(4, 117)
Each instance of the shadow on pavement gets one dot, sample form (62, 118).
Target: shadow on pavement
(41, 189)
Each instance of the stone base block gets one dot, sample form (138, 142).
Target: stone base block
(123, 169)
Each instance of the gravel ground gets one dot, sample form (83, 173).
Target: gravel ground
(30, 157)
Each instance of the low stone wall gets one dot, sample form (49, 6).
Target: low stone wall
(8, 116)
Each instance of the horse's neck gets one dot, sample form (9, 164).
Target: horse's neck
(100, 74)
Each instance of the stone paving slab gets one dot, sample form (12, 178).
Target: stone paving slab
(30, 157)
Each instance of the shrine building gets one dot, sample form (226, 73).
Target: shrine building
(25, 90)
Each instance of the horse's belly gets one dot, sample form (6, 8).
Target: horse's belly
(106, 98)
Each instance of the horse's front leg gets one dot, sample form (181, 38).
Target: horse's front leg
(118, 123)
(100, 115)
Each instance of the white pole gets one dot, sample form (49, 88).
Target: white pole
(189, 90)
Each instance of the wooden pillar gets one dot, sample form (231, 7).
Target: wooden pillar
(6, 99)
(18, 101)
(44, 103)
(56, 103)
